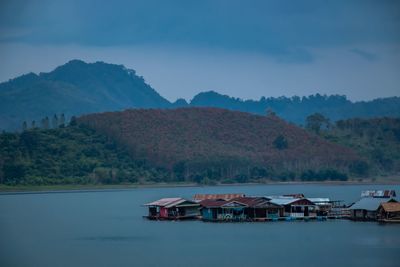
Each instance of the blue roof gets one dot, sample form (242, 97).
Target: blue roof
(369, 203)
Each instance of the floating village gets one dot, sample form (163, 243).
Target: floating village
(374, 205)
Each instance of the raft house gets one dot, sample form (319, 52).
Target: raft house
(240, 209)
(173, 209)
(366, 209)
(389, 212)
(376, 205)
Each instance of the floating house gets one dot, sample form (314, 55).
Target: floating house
(323, 206)
(379, 193)
(240, 209)
(389, 212)
(260, 208)
(222, 210)
(295, 207)
(173, 209)
(366, 208)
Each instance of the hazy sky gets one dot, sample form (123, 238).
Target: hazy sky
(246, 49)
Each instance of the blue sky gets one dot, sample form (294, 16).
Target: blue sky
(246, 49)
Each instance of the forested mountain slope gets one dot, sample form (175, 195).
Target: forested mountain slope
(73, 89)
(296, 109)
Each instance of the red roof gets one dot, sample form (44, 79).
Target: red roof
(246, 201)
(298, 195)
(213, 203)
(217, 196)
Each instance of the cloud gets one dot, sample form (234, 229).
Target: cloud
(285, 30)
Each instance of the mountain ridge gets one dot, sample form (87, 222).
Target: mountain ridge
(74, 88)
(78, 88)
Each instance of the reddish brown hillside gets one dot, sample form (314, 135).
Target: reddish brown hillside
(201, 136)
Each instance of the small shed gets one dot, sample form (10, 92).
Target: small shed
(389, 212)
(173, 209)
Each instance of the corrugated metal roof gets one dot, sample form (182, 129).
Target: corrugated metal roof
(255, 202)
(200, 197)
(378, 193)
(391, 206)
(319, 199)
(283, 200)
(369, 203)
(297, 195)
(171, 202)
(163, 202)
(211, 203)
(250, 201)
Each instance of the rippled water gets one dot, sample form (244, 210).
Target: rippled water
(106, 228)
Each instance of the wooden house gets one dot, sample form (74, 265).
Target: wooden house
(295, 207)
(259, 208)
(389, 212)
(222, 210)
(173, 209)
(323, 205)
(366, 209)
(239, 209)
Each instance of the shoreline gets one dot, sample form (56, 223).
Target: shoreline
(30, 189)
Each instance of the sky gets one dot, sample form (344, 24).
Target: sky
(245, 49)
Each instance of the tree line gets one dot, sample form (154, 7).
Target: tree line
(55, 121)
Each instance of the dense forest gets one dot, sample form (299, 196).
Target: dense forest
(67, 155)
(376, 139)
(296, 109)
(73, 89)
(202, 145)
(77, 88)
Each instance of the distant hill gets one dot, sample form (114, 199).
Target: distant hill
(201, 145)
(73, 89)
(195, 140)
(296, 109)
(78, 88)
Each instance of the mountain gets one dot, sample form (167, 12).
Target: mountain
(73, 89)
(78, 88)
(296, 109)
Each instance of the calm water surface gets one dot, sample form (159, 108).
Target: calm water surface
(106, 229)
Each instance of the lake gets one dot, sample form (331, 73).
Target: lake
(106, 228)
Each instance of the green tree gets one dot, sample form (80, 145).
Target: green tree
(45, 123)
(62, 120)
(73, 121)
(359, 168)
(54, 121)
(316, 121)
(24, 126)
